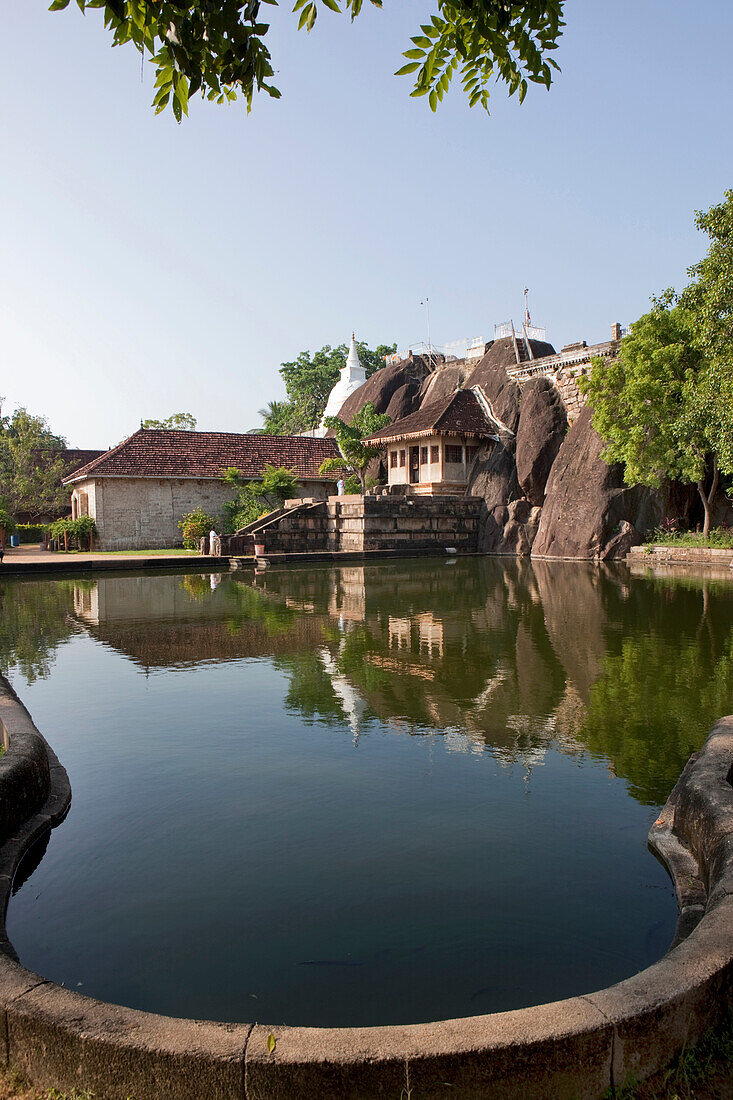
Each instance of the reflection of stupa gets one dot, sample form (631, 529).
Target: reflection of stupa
(353, 375)
(354, 705)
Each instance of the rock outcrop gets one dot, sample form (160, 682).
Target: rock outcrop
(542, 427)
(588, 511)
(546, 490)
(384, 384)
(490, 374)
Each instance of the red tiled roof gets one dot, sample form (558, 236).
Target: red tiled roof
(73, 457)
(154, 452)
(458, 414)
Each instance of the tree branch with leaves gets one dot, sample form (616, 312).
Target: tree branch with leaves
(355, 454)
(216, 48)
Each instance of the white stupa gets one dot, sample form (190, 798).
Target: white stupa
(352, 376)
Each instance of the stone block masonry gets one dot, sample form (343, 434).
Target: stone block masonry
(362, 524)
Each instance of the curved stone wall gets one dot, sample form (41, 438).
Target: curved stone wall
(573, 1048)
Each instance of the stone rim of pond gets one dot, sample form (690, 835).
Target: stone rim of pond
(578, 1046)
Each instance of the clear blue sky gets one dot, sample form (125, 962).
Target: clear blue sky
(149, 268)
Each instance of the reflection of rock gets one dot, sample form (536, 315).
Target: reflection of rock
(575, 619)
(570, 715)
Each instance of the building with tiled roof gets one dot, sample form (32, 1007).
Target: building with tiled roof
(138, 491)
(431, 451)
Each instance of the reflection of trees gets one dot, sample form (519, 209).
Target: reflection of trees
(653, 705)
(248, 605)
(35, 618)
(310, 688)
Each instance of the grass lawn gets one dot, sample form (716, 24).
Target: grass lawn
(719, 538)
(132, 553)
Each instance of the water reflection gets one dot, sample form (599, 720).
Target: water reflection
(506, 656)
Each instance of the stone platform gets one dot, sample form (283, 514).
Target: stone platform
(359, 524)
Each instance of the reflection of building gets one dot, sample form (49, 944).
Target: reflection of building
(348, 595)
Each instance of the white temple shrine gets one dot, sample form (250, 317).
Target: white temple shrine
(352, 376)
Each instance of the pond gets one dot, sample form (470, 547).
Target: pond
(388, 793)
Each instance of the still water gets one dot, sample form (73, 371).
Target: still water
(391, 793)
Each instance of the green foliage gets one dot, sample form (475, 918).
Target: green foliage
(720, 537)
(665, 406)
(30, 467)
(253, 498)
(217, 48)
(194, 526)
(355, 455)
(7, 523)
(709, 299)
(481, 41)
(74, 534)
(182, 422)
(701, 1072)
(641, 400)
(308, 382)
(30, 532)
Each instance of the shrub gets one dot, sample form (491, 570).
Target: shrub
(31, 532)
(74, 533)
(194, 526)
(7, 523)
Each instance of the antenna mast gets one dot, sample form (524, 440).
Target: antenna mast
(527, 320)
(427, 315)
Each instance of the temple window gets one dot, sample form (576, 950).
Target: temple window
(423, 456)
(435, 454)
(392, 459)
(402, 458)
(453, 454)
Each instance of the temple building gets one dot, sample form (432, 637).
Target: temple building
(353, 375)
(431, 451)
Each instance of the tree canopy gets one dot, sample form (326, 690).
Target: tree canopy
(356, 455)
(665, 405)
(308, 382)
(217, 47)
(182, 422)
(31, 467)
(276, 484)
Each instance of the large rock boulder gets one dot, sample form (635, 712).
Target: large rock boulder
(491, 374)
(443, 382)
(494, 478)
(588, 511)
(403, 401)
(383, 384)
(542, 428)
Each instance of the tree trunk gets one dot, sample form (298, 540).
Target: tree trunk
(708, 498)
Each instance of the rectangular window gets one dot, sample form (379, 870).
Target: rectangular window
(470, 454)
(453, 454)
(435, 454)
(423, 456)
(392, 459)
(402, 458)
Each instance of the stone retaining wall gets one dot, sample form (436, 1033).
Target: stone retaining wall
(569, 1049)
(651, 554)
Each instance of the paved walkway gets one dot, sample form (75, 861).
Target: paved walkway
(31, 559)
